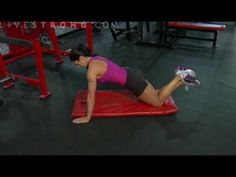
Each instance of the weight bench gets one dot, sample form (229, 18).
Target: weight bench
(204, 27)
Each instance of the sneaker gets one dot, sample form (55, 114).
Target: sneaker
(188, 77)
(189, 81)
(185, 72)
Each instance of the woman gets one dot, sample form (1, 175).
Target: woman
(100, 69)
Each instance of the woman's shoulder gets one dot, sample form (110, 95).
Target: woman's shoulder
(99, 57)
(97, 61)
(97, 66)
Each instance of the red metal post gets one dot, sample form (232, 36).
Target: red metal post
(52, 34)
(40, 67)
(89, 30)
(5, 73)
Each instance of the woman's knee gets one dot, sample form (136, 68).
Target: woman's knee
(158, 103)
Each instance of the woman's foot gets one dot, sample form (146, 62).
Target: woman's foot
(188, 77)
(191, 82)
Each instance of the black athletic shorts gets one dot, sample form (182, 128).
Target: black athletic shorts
(135, 82)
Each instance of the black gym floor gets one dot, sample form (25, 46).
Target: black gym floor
(204, 125)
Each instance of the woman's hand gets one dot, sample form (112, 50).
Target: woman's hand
(80, 120)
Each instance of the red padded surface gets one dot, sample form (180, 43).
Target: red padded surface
(200, 26)
(118, 104)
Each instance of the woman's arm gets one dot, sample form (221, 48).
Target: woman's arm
(92, 85)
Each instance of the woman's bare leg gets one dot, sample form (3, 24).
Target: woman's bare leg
(158, 97)
(168, 89)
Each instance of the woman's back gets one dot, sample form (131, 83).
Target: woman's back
(114, 73)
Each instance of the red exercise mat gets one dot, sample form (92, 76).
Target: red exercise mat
(119, 104)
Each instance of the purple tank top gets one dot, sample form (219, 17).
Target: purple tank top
(114, 73)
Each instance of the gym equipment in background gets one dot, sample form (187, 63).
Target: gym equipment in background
(29, 38)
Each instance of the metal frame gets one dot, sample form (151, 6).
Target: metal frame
(214, 39)
(163, 36)
(128, 30)
(34, 49)
(22, 46)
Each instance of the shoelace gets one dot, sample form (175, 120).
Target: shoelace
(189, 79)
(191, 82)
